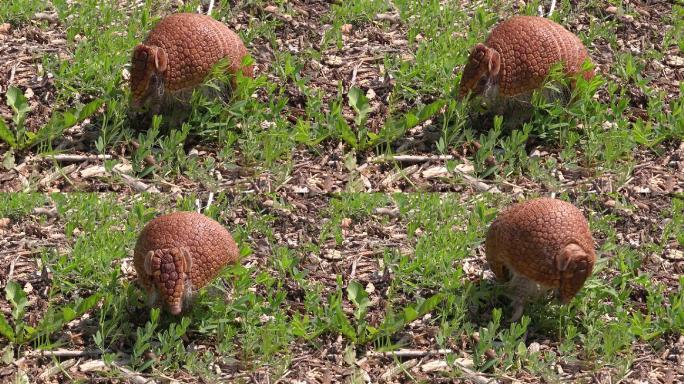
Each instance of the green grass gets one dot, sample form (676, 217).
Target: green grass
(623, 309)
(257, 132)
(260, 324)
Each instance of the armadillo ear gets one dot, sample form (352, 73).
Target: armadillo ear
(140, 55)
(478, 52)
(148, 263)
(140, 52)
(494, 62)
(567, 255)
(187, 258)
(161, 61)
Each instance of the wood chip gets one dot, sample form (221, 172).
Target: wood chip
(93, 365)
(435, 365)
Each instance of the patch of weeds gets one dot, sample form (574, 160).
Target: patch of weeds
(674, 229)
(432, 28)
(355, 206)
(17, 205)
(359, 331)
(356, 12)
(20, 11)
(55, 318)
(20, 138)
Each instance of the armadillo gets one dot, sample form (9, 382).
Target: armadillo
(178, 54)
(517, 56)
(177, 254)
(540, 245)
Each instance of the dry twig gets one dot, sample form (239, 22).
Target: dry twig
(410, 158)
(69, 158)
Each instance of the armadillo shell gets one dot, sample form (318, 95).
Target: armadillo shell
(529, 46)
(209, 244)
(194, 43)
(526, 237)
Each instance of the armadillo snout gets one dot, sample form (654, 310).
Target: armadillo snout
(175, 309)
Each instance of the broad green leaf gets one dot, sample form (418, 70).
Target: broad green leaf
(86, 304)
(522, 350)
(15, 295)
(429, 110)
(430, 303)
(410, 314)
(354, 97)
(89, 109)
(359, 102)
(17, 100)
(344, 325)
(68, 314)
(7, 355)
(346, 132)
(353, 291)
(358, 295)
(8, 160)
(6, 135)
(68, 120)
(5, 329)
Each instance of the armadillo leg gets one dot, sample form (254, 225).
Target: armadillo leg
(521, 290)
(518, 309)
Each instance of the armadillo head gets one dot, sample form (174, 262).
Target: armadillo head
(481, 74)
(574, 265)
(149, 65)
(169, 271)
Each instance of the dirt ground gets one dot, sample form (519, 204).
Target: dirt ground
(357, 63)
(653, 183)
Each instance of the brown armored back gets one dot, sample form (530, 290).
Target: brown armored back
(179, 253)
(544, 240)
(194, 43)
(529, 46)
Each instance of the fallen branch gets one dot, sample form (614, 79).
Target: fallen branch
(93, 365)
(472, 375)
(410, 158)
(480, 185)
(51, 17)
(552, 8)
(417, 353)
(64, 353)
(68, 158)
(49, 212)
(399, 174)
(56, 175)
(405, 366)
(409, 353)
(137, 185)
(392, 18)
